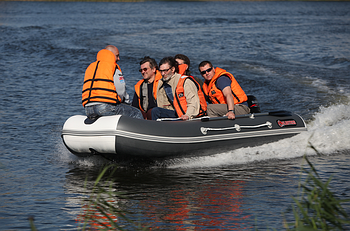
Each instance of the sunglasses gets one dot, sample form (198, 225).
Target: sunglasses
(207, 70)
(143, 69)
(166, 70)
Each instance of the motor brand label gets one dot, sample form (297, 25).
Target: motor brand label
(283, 123)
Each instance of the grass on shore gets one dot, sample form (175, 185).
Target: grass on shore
(317, 208)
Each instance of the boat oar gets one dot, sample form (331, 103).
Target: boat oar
(168, 119)
(280, 113)
(207, 118)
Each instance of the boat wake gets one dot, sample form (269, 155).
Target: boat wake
(64, 156)
(328, 133)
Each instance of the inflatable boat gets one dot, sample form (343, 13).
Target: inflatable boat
(115, 137)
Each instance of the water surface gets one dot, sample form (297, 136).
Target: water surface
(291, 55)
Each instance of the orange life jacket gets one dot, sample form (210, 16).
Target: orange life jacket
(182, 68)
(216, 96)
(99, 82)
(180, 103)
(138, 87)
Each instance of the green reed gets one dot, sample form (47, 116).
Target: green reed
(104, 209)
(317, 208)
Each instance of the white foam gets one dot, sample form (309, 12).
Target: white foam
(324, 86)
(328, 132)
(321, 84)
(64, 156)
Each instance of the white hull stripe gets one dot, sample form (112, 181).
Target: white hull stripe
(186, 140)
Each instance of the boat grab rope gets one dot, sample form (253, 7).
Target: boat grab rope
(236, 126)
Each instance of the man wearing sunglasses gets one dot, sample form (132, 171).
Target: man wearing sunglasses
(178, 96)
(224, 94)
(104, 91)
(146, 89)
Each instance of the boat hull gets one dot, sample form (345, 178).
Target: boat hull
(123, 137)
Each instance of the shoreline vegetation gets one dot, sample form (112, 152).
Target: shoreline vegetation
(174, 0)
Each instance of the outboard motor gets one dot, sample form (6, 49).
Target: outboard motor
(253, 104)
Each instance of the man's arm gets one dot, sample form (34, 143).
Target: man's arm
(135, 101)
(224, 84)
(192, 99)
(119, 84)
(230, 103)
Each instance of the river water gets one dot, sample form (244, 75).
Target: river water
(291, 55)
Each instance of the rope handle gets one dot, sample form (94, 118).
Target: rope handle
(236, 126)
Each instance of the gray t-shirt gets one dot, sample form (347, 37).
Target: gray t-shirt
(120, 86)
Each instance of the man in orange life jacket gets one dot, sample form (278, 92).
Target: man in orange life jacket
(177, 96)
(146, 89)
(223, 92)
(104, 91)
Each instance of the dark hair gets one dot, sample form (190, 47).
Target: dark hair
(203, 63)
(171, 62)
(186, 61)
(184, 58)
(152, 62)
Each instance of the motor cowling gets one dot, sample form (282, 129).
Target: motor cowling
(253, 104)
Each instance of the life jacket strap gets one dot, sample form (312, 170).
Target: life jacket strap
(169, 92)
